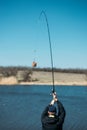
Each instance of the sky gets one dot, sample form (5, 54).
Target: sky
(24, 36)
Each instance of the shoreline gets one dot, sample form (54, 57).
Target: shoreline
(59, 84)
(45, 78)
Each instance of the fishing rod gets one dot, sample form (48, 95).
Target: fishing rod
(43, 12)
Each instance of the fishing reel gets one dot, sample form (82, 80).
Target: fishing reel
(53, 92)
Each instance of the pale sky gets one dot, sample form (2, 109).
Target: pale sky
(24, 37)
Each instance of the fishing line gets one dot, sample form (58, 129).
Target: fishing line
(44, 14)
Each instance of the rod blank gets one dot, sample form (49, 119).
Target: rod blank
(43, 12)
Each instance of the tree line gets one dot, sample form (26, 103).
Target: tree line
(69, 70)
(12, 70)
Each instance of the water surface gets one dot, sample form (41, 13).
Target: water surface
(21, 106)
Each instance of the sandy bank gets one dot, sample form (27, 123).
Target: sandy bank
(40, 77)
(8, 81)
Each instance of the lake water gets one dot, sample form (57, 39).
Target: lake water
(21, 106)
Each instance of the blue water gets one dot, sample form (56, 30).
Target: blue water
(21, 106)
